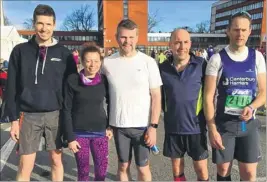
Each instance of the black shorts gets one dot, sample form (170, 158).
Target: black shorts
(243, 146)
(128, 139)
(175, 146)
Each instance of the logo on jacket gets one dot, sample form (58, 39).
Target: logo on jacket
(56, 59)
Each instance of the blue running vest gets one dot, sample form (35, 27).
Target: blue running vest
(237, 86)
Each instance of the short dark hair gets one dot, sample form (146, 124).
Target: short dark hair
(91, 47)
(44, 10)
(127, 24)
(240, 14)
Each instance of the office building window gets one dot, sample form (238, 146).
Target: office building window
(125, 9)
(221, 23)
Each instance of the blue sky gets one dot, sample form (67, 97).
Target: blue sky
(172, 13)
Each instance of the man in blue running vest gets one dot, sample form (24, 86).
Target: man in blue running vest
(234, 74)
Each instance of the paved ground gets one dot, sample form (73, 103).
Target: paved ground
(160, 165)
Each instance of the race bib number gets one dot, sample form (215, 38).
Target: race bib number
(236, 100)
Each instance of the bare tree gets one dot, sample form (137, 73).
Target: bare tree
(7, 22)
(28, 24)
(203, 27)
(81, 19)
(153, 20)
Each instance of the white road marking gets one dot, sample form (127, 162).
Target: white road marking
(49, 169)
(7, 129)
(34, 175)
(262, 179)
(6, 151)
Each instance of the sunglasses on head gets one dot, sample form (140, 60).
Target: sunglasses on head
(241, 13)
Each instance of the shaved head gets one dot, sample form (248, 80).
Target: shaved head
(180, 33)
(180, 44)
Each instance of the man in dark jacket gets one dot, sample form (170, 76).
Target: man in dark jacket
(36, 72)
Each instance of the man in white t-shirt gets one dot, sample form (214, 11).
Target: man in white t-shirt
(238, 75)
(135, 101)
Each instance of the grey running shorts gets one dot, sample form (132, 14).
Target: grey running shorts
(36, 126)
(127, 139)
(243, 146)
(195, 145)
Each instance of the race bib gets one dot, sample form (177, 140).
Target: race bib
(236, 100)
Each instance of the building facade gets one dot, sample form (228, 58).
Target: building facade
(70, 39)
(110, 13)
(222, 11)
(160, 41)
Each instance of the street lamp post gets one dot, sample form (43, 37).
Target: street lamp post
(2, 13)
(104, 34)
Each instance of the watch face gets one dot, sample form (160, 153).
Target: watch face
(154, 125)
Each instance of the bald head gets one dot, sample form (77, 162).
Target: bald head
(180, 44)
(180, 33)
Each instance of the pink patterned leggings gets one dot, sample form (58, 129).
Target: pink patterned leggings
(99, 148)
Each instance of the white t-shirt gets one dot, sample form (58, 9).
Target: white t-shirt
(215, 62)
(130, 81)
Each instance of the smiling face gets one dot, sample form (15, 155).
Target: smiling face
(239, 31)
(127, 40)
(44, 27)
(91, 63)
(180, 44)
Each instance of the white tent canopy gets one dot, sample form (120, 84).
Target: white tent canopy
(9, 39)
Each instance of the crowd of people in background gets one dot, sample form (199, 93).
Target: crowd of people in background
(3, 80)
(162, 55)
(206, 53)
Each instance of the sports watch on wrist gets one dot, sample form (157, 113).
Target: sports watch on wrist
(154, 125)
(251, 107)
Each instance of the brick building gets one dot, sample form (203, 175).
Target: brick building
(70, 39)
(110, 13)
(222, 11)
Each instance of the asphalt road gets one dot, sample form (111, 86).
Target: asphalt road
(160, 165)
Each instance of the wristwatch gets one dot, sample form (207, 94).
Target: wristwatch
(251, 107)
(154, 125)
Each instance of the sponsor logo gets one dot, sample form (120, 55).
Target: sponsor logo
(226, 82)
(56, 59)
(241, 92)
(235, 112)
(238, 81)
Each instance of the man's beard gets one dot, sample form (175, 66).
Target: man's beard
(125, 50)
